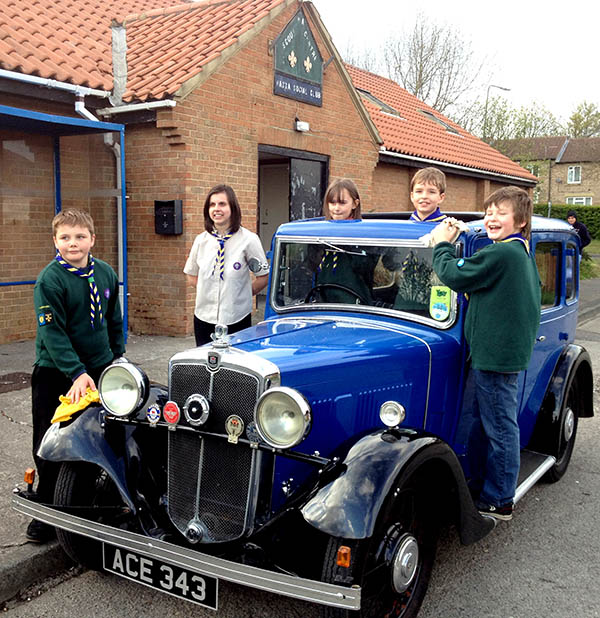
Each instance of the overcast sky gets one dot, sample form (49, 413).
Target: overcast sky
(545, 52)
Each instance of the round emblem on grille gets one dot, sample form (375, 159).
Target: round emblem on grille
(234, 426)
(171, 412)
(196, 409)
(153, 414)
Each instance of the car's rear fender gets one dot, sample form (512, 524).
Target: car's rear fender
(574, 364)
(376, 466)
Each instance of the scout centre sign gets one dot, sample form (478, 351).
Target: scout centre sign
(298, 63)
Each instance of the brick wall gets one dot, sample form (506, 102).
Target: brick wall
(27, 208)
(391, 190)
(212, 137)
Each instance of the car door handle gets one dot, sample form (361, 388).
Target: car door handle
(541, 338)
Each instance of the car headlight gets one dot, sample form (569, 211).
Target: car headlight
(123, 388)
(283, 417)
(392, 413)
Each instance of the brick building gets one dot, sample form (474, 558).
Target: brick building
(135, 109)
(568, 169)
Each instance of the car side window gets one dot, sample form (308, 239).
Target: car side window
(571, 264)
(547, 258)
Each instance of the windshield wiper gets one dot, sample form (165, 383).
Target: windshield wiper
(339, 249)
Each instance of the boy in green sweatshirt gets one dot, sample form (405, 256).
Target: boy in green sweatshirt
(79, 333)
(501, 324)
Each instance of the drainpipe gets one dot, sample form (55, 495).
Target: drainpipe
(116, 150)
(82, 110)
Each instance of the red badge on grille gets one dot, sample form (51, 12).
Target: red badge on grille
(171, 412)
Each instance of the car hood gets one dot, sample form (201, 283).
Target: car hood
(326, 349)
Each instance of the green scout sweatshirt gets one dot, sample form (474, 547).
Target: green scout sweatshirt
(65, 337)
(504, 290)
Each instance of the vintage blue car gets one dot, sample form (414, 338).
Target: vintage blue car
(318, 453)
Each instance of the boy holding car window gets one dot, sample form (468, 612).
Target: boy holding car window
(501, 325)
(79, 333)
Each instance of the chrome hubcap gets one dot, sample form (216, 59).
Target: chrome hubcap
(404, 565)
(568, 424)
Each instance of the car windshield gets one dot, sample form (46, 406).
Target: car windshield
(324, 272)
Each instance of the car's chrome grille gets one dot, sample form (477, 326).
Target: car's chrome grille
(212, 481)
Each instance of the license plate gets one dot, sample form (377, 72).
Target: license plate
(182, 583)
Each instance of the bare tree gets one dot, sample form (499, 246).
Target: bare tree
(366, 58)
(434, 62)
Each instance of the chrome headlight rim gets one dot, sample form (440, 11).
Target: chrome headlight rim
(392, 413)
(139, 380)
(303, 408)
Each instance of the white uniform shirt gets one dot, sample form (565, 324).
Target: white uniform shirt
(229, 300)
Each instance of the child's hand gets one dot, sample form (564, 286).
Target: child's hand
(446, 231)
(79, 388)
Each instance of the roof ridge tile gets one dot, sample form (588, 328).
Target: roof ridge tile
(189, 6)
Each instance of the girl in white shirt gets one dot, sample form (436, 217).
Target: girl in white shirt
(218, 266)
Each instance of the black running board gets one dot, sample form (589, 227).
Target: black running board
(533, 467)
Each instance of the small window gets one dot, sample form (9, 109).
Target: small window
(580, 201)
(384, 107)
(574, 174)
(439, 121)
(571, 263)
(547, 258)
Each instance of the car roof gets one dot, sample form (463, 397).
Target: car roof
(397, 225)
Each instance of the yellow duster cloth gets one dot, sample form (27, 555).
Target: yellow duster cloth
(66, 409)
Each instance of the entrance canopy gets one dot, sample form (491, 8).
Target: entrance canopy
(82, 160)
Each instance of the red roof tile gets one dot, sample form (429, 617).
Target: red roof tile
(168, 41)
(406, 129)
(66, 40)
(190, 36)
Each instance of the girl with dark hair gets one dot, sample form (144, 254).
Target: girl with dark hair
(219, 267)
(336, 269)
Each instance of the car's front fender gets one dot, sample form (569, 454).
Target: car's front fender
(349, 505)
(90, 437)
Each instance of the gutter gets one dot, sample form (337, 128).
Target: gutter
(80, 91)
(122, 109)
(397, 155)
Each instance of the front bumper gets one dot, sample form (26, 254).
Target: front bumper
(254, 577)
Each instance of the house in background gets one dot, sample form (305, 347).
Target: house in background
(134, 109)
(568, 168)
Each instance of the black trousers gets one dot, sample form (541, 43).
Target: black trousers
(47, 384)
(203, 330)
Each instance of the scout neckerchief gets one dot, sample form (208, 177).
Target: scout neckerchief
(94, 296)
(435, 217)
(519, 238)
(326, 262)
(220, 259)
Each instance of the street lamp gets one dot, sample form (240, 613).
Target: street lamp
(487, 96)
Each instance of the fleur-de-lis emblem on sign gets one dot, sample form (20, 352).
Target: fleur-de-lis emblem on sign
(292, 59)
(307, 64)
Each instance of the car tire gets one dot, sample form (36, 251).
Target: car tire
(403, 544)
(82, 484)
(567, 432)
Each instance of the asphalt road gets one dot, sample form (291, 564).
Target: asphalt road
(543, 563)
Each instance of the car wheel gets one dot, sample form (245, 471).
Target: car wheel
(569, 416)
(81, 484)
(393, 567)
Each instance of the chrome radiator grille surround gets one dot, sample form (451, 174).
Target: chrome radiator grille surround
(211, 482)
